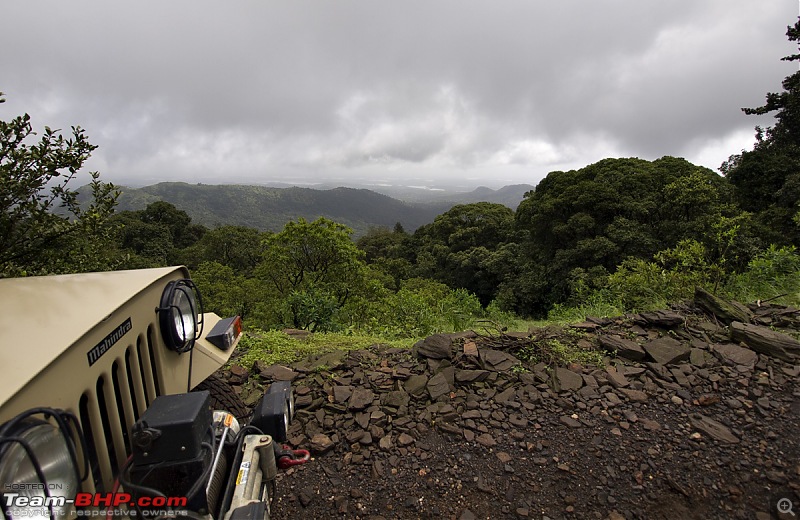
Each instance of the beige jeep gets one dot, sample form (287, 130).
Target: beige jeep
(97, 408)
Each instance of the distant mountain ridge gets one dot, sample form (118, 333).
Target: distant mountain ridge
(268, 209)
(510, 195)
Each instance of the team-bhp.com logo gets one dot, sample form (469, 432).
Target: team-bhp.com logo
(20, 505)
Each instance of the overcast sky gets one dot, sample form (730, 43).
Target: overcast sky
(477, 92)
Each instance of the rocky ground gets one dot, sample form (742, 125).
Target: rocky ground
(687, 418)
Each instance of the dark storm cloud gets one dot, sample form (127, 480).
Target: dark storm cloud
(497, 90)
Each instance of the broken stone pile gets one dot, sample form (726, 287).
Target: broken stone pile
(691, 412)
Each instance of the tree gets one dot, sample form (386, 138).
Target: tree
(380, 242)
(312, 268)
(461, 246)
(767, 178)
(43, 227)
(226, 292)
(156, 235)
(237, 247)
(179, 224)
(582, 223)
(786, 131)
(388, 251)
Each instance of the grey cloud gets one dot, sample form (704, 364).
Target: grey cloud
(253, 89)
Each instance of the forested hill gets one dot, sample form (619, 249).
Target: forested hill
(269, 209)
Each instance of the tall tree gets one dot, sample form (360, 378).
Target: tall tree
(312, 269)
(582, 223)
(43, 227)
(462, 248)
(388, 251)
(158, 235)
(767, 178)
(237, 247)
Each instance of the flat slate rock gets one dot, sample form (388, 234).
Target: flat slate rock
(360, 399)
(321, 443)
(585, 325)
(471, 376)
(437, 346)
(713, 428)
(470, 349)
(342, 393)
(438, 386)
(615, 378)
(568, 380)
(329, 361)
(766, 341)
(736, 355)
(664, 319)
(624, 348)
(497, 360)
(415, 385)
(667, 350)
(697, 357)
(277, 372)
(635, 395)
(724, 310)
(486, 440)
(506, 395)
(396, 398)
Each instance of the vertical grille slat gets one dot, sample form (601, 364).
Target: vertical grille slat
(109, 446)
(153, 360)
(134, 367)
(122, 387)
(113, 421)
(93, 483)
(94, 421)
(146, 364)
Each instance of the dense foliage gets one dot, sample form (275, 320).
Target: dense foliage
(767, 178)
(580, 225)
(43, 229)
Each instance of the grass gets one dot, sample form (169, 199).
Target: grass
(560, 351)
(276, 348)
(565, 315)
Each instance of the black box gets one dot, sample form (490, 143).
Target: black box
(284, 387)
(174, 479)
(271, 416)
(172, 428)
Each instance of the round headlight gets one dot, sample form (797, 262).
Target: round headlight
(183, 312)
(180, 315)
(25, 493)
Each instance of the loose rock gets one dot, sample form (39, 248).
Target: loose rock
(666, 351)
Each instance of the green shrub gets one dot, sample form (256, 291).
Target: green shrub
(421, 307)
(599, 304)
(772, 273)
(459, 310)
